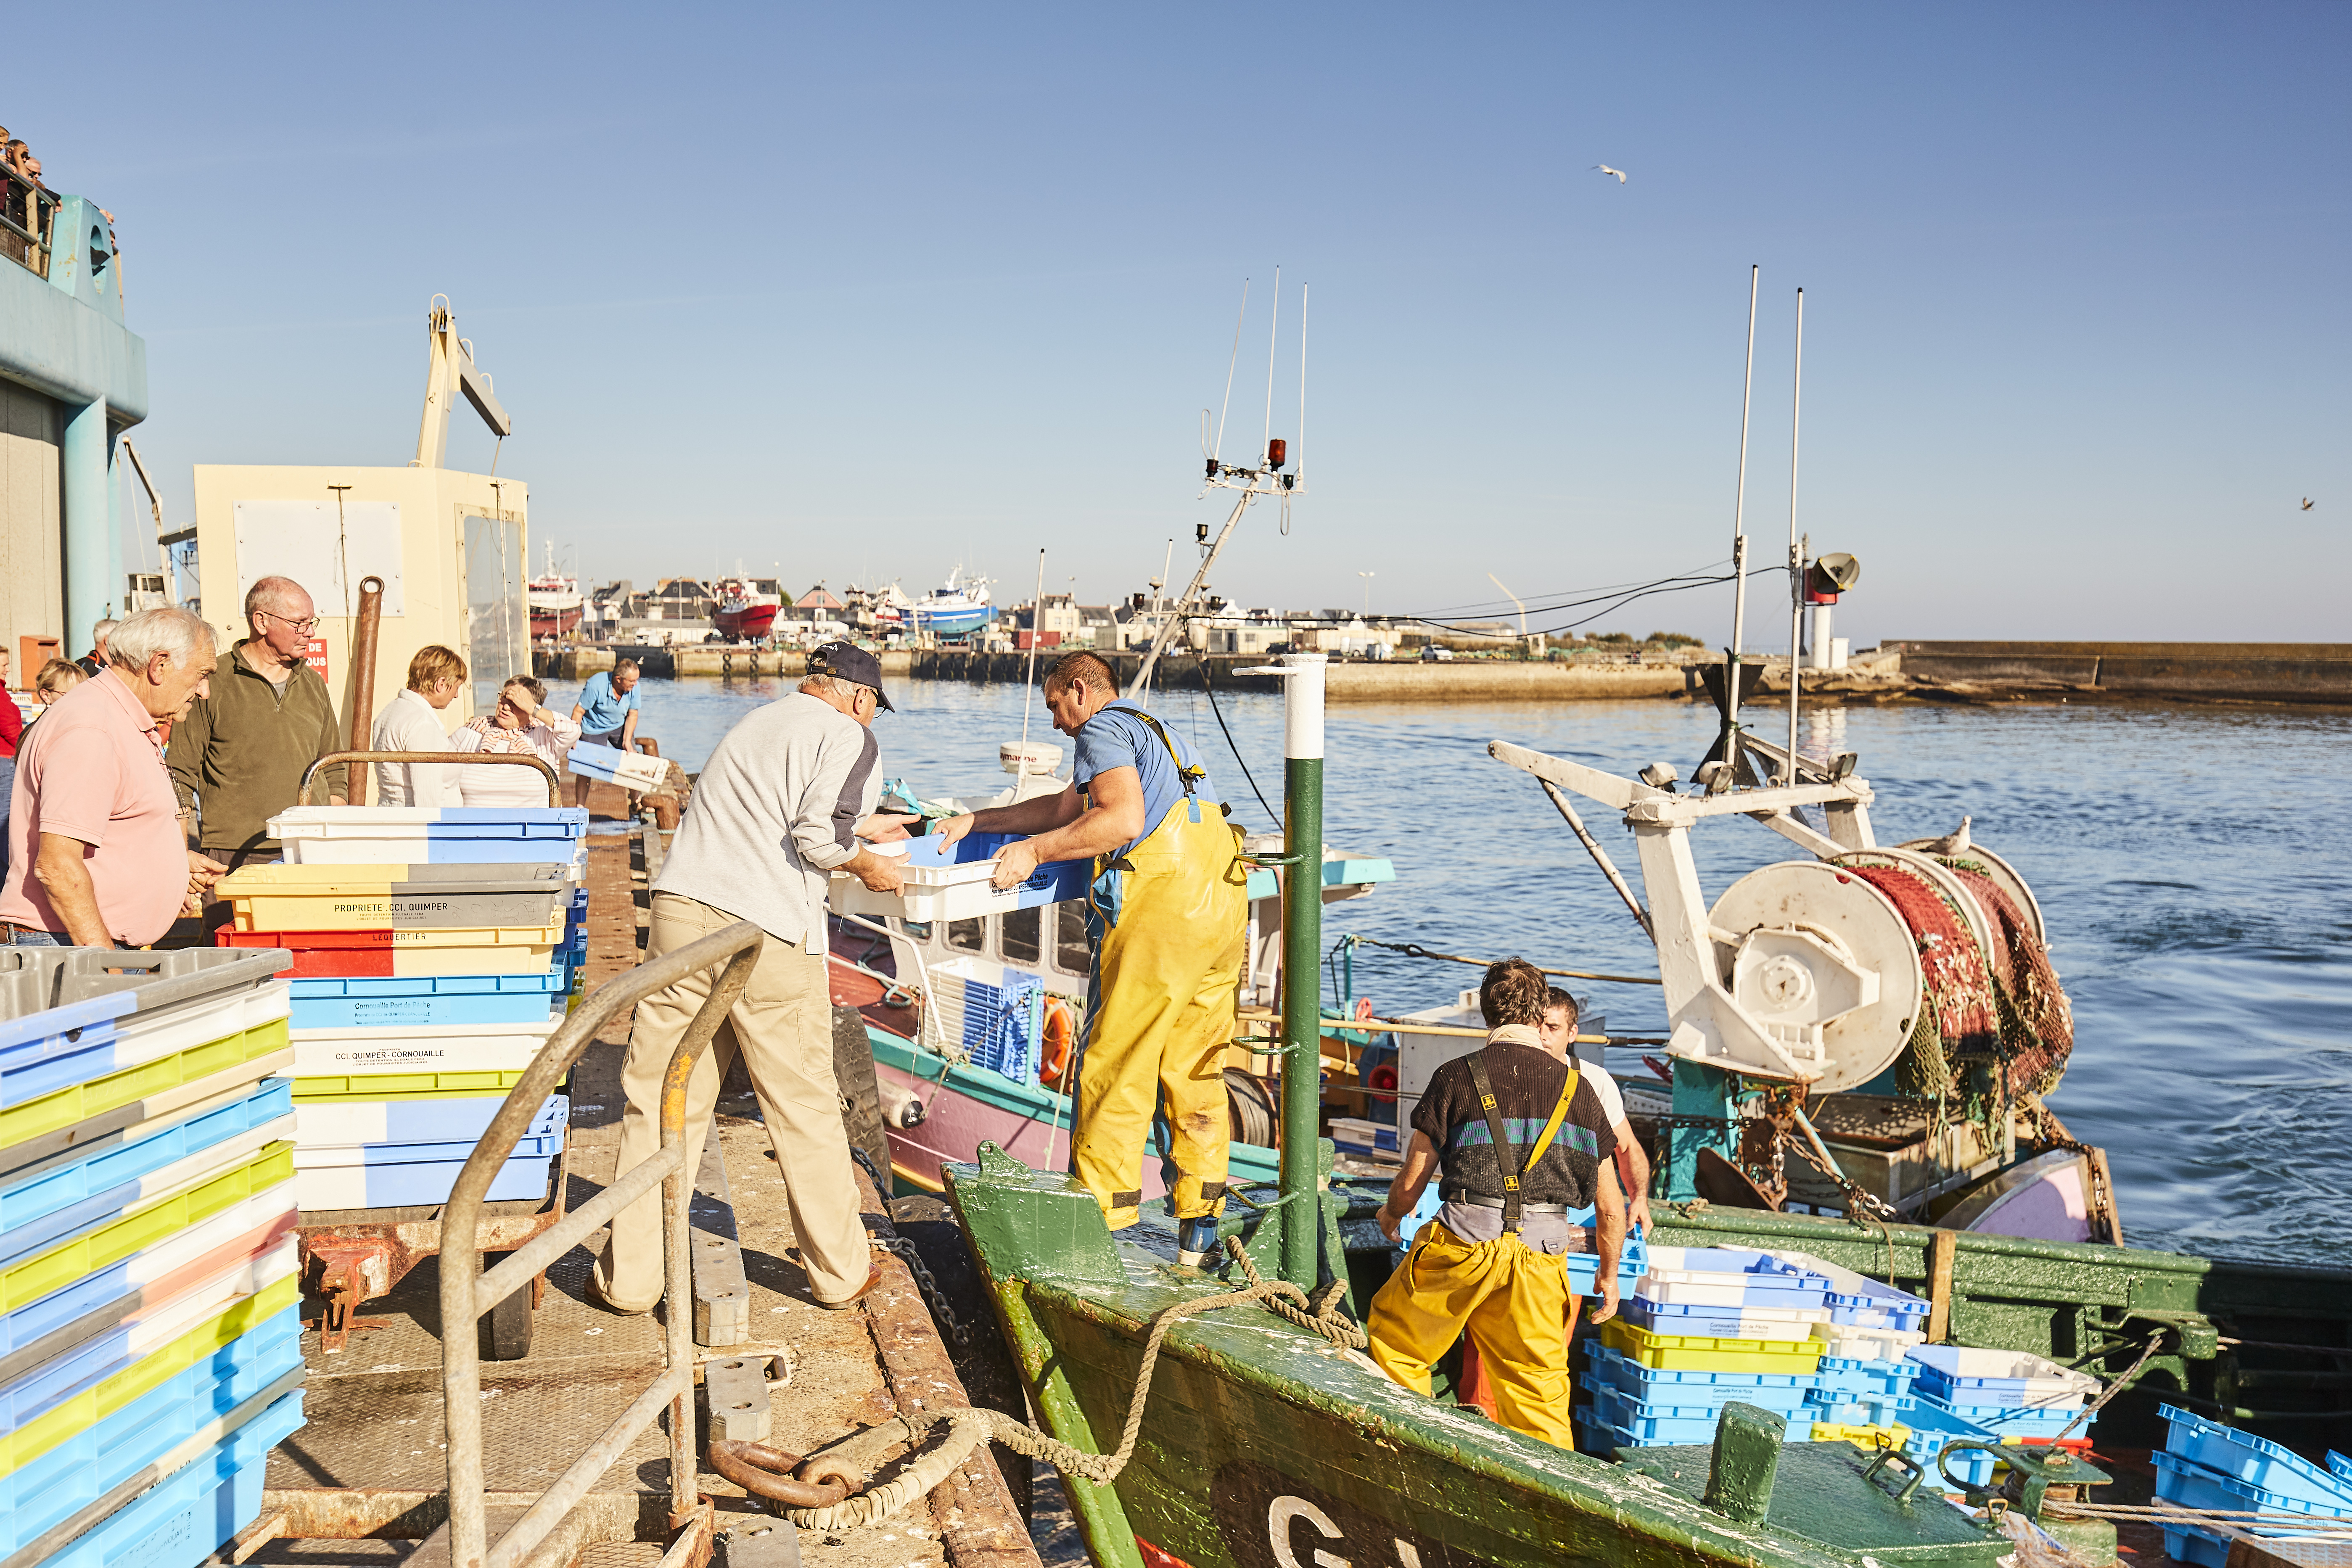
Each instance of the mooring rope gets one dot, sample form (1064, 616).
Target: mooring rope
(968, 1429)
(1415, 950)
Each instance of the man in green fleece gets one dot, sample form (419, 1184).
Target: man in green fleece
(239, 755)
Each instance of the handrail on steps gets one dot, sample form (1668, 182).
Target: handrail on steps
(450, 758)
(466, 1293)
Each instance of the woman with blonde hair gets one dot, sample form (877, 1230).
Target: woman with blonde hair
(522, 724)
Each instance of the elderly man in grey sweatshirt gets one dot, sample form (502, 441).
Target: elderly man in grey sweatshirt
(781, 806)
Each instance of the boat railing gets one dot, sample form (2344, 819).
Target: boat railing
(28, 217)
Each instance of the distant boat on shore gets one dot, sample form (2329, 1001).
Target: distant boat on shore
(745, 613)
(955, 609)
(554, 600)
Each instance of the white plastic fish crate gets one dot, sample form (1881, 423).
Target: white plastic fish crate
(956, 883)
(630, 769)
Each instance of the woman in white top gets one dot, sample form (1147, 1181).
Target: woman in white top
(521, 724)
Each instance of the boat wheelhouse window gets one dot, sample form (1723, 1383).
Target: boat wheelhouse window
(967, 935)
(1022, 933)
(1070, 936)
(916, 930)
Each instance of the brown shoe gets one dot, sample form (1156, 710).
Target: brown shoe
(873, 1277)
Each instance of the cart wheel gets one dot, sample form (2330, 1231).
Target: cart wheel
(506, 1328)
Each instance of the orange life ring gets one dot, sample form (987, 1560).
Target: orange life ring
(1061, 1033)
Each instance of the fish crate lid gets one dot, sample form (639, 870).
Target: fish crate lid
(107, 982)
(340, 880)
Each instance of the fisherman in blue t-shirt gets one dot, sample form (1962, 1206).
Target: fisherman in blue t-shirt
(1165, 918)
(606, 714)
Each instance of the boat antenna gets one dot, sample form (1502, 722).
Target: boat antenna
(1273, 332)
(1795, 545)
(1036, 635)
(1232, 360)
(1726, 744)
(1264, 476)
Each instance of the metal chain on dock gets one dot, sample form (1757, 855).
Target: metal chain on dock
(898, 1247)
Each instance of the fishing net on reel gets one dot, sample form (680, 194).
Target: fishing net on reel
(1995, 1027)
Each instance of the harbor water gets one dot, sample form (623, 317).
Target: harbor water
(2192, 862)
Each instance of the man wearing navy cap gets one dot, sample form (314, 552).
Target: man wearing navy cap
(786, 800)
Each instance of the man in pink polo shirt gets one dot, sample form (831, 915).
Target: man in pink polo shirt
(96, 858)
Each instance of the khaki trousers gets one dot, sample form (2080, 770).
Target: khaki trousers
(783, 1025)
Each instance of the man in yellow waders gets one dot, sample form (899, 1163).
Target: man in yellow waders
(1166, 917)
(1521, 1140)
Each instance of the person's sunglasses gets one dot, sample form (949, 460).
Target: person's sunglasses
(305, 626)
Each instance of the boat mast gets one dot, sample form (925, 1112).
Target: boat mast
(1728, 742)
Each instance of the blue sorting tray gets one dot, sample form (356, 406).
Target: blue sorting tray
(1931, 1429)
(2193, 1486)
(2254, 1461)
(1664, 1403)
(540, 1144)
(413, 1183)
(1848, 1374)
(1659, 1386)
(60, 1200)
(189, 1513)
(376, 1001)
(1870, 1304)
(465, 1118)
(1708, 1323)
(90, 1464)
(2004, 1420)
(60, 1057)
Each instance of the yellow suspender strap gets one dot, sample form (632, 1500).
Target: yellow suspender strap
(1558, 1114)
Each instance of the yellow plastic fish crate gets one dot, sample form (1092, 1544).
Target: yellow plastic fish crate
(1869, 1440)
(404, 1086)
(1695, 1353)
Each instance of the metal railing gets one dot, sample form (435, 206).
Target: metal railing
(442, 759)
(466, 1293)
(28, 217)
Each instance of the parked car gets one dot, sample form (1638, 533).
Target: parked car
(1432, 655)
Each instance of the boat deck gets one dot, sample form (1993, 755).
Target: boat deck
(369, 1458)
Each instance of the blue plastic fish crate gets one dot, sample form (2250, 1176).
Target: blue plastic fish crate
(1875, 1306)
(2004, 1420)
(424, 1000)
(188, 1515)
(49, 1055)
(59, 1199)
(2254, 1461)
(1931, 1429)
(1641, 1424)
(1002, 1024)
(1686, 1404)
(412, 1183)
(2194, 1546)
(1710, 1322)
(1860, 1409)
(85, 1467)
(2193, 1486)
(1651, 1385)
(1847, 1374)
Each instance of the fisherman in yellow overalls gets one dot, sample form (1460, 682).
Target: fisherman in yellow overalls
(1166, 916)
(1519, 1140)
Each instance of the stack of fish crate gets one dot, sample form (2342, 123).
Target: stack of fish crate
(1863, 1390)
(151, 1355)
(2205, 1465)
(434, 949)
(2003, 1395)
(1702, 1327)
(993, 1012)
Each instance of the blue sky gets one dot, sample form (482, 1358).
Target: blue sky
(871, 293)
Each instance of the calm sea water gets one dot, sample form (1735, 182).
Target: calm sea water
(2192, 865)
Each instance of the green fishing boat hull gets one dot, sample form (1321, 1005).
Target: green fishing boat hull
(1264, 1445)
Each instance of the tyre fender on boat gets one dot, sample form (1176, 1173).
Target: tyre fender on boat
(1061, 1034)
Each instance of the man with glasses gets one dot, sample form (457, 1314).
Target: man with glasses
(239, 756)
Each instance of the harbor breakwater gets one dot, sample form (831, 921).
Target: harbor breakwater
(1898, 671)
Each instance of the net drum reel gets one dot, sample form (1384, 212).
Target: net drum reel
(1824, 963)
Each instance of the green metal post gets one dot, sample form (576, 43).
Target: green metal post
(1302, 963)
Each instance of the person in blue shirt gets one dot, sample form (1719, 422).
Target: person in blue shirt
(1165, 918)
(606, 714)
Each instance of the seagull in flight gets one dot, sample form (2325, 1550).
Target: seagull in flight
(2306, 503)
(1607, 170)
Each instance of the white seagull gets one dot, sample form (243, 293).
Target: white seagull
(1607, 170)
